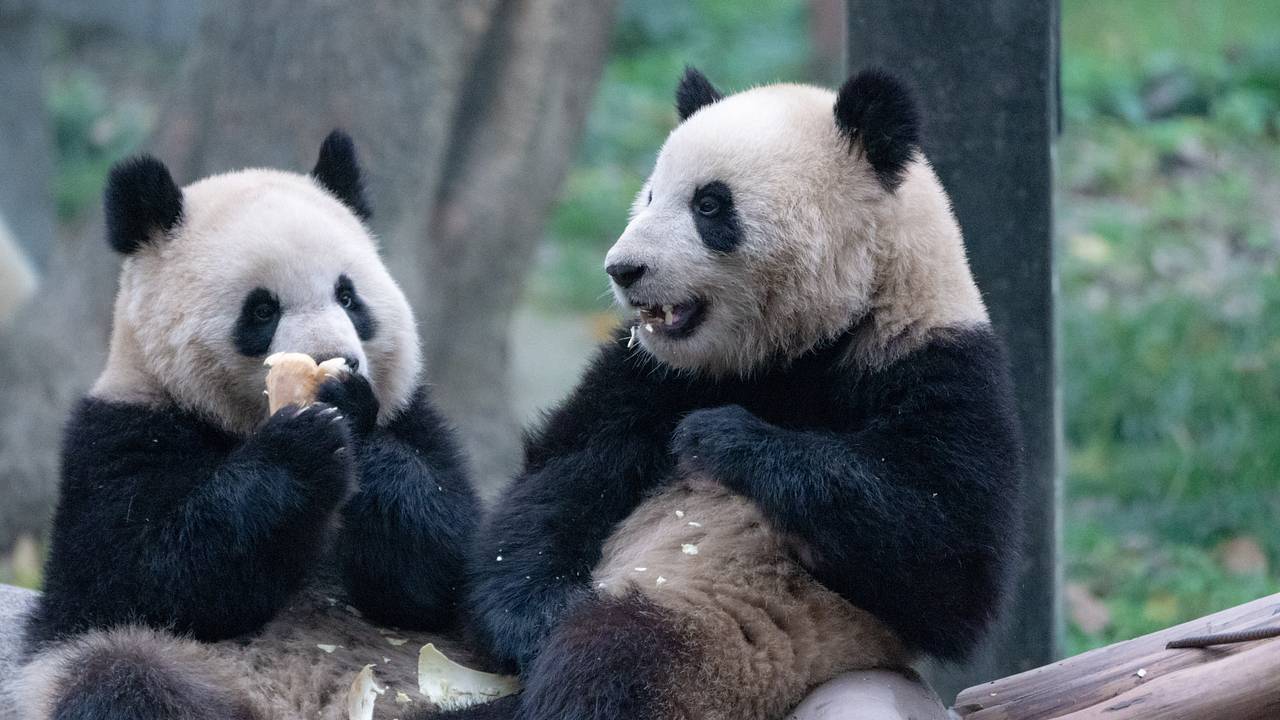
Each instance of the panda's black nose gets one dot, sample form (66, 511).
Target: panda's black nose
(625, 274)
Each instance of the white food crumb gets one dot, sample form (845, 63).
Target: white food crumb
(694, 524)
(679, 513)
(362, 695)
(499, 558)
(397, 641)
(602, 586)
(648, 326)
(327, 648)
(451, 686)
(1142, 672)
(402, 699)
(660, 580)
(641, 569)
(386, 659)
(689, 549)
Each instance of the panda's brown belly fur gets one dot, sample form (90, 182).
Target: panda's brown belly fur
(762, 631)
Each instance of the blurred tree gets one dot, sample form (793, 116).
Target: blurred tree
(467, 116)
(26, 159)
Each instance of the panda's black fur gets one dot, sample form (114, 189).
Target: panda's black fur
(141, 200)
(170, 527)
(169, 521)
(901, 482)
(694, 92)
(945, 412)
(875, 110)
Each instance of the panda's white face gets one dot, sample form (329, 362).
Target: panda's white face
(783, 216)
(752, 239)
(260, 262)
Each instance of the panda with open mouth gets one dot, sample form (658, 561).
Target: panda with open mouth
(803, 457)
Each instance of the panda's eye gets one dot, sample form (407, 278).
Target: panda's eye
(346, 299)
(708, 206)
(264, 311)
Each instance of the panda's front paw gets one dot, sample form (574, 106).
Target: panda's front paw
(353, 395)
(314, 443)
(706, 440)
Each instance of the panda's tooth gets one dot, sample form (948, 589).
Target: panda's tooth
(666, 309)
(631, 341)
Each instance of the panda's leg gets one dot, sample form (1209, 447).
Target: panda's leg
(128, 674)
(612, 658)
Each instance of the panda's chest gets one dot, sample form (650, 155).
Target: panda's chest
(797, 400)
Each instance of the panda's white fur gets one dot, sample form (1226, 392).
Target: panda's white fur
(269, 228)
(820, 232)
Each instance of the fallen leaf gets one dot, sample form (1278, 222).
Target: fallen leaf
(1243, 555)
(1086, 610)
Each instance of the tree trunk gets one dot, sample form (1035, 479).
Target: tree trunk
(26, 147)
(466, 116)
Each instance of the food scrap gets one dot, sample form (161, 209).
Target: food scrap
(451, 686)
(362, 695)
(294, 378)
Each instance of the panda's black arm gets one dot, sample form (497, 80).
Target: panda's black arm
(585, 470)
(914, 515)
(405, 531)
(165, 520)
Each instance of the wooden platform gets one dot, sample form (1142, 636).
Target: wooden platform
(1142, 679)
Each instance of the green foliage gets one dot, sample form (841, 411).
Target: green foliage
(90, 133)
(1170, 312)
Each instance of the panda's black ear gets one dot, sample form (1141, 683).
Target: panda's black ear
(142, 202)
(338, 171)
(695, 91)
(877, 111)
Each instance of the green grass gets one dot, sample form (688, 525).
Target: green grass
(1169, 220)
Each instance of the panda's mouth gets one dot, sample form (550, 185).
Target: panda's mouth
(674, 320)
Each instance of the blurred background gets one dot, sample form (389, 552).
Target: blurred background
(505, 141)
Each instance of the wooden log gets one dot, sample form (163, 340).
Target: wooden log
(1141, 679)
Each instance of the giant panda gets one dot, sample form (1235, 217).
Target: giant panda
(209, 561)
(803, 457)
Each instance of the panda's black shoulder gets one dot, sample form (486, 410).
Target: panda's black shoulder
(109, 436)
(622, 387)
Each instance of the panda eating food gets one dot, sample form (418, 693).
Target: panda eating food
(804, 458)
(212, 560)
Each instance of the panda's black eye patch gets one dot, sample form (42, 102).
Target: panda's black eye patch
(256, 325)
(716, 218)
(344, 292)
